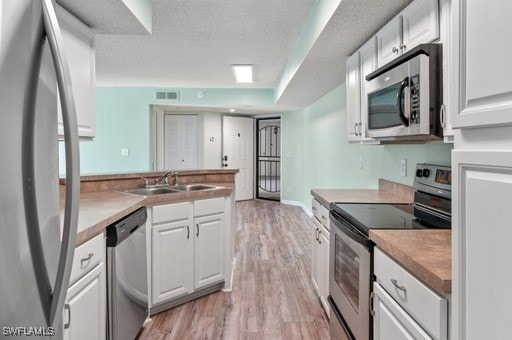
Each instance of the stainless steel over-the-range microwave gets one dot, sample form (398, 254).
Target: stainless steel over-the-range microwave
(405, 97)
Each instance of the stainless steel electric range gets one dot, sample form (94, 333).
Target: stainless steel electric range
(351, 251)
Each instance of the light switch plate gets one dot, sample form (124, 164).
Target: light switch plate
(403, 167)
(125, 152)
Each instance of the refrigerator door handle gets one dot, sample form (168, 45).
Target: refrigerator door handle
(67, 248)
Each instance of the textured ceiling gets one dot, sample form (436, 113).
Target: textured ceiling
(105, 16)
(353, 23)
(194, 42)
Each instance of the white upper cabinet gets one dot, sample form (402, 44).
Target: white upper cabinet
(78, 42)
(420, 22)
(417, 24)
(389, 39)
(359, 65)
(368, 57)
(484, 63)
(353, 96)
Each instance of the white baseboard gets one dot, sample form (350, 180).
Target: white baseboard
(298, 204)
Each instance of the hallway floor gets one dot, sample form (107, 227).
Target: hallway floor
(272, 297)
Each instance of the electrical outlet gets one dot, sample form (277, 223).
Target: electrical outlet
(360, 162)
(403, 167)
(125, 152)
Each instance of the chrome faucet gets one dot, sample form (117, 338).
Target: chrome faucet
(165, 176)
(175, 174)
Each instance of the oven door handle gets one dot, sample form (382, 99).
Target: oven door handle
(403, 118)
(350, 231)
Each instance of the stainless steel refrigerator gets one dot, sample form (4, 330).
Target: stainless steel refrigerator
(36, 247)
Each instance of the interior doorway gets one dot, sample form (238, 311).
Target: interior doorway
(268, 169)
(238, 153)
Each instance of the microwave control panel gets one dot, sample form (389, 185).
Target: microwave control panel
(415, 99)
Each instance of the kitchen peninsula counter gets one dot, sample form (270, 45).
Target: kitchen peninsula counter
(103, 202)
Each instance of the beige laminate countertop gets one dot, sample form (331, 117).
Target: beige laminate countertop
(425, 253)
(97, 210)
(328, 196)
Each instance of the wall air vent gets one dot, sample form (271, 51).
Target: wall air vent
(172, 95)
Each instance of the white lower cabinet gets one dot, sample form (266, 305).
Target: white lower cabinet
(172, 260)
(390, 321)
(85, 310)
(320, 255)
(404, 307)
(208, 250)
(481, 242)
(187, 247)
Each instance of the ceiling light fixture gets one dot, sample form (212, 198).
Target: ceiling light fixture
(231, 110)
(243, 73)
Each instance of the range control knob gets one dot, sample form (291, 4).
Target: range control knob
(426, 172)
(419, 173)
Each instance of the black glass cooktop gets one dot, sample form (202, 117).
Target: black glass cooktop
(367, 216)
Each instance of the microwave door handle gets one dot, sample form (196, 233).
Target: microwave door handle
(403, 118)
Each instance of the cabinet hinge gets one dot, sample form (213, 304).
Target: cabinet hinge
(372, 299)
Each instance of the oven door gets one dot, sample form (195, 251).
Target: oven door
(349, 276)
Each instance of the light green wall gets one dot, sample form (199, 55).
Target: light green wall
(321, 157)
(122, 121)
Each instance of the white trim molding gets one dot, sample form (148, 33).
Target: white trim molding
(298, 204)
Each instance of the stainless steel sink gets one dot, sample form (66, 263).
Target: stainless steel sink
(151, 191)
(193, 187)
(170, 189)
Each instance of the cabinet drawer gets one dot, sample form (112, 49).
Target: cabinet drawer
(321, 213)
(316, 208)
(87, 256)
(324, 217)
(209, 206)
(424, 305)
(171, 212)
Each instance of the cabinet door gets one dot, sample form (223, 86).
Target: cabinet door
(481, 235)
(389, 39)
(484, 63)
(315, 255)
(368, 54)
(172, 260)
(208, 250)
(390, 321)
(420, 23)
(85, 312)
(78, 42)
(353, 97)
(324, 268)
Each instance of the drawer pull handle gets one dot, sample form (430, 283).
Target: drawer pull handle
(395, 283)
(188, 232)
(197, 226)
(314, 208)
(68, 308)
(86, 259)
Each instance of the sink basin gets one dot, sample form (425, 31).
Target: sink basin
(151, 191)
(193, 187)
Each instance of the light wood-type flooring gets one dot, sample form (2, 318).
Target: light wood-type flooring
(272, 297)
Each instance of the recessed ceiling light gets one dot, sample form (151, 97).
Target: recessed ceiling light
(231, 110)
(243, 73)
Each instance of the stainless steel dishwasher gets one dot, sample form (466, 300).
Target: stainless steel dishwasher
(127, 294)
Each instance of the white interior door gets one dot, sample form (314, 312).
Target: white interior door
(180, 142)
(237, 153)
